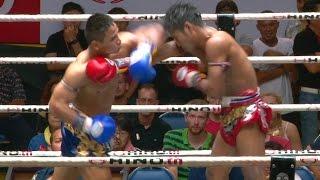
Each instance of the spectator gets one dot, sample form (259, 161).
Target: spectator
(284, 133)
(230, 7)
(121, 142)
(48, 89)
(194, 137)
(147, 129)
(55, 145)
(307, 43)
(13, 126)
(275, 77)
(295, 26)
(125, 90)
(68, 42)
(55, 140)
(41, 142)
(122, 25)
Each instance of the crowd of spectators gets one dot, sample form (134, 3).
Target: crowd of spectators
(195, 130)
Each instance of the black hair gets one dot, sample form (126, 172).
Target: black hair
(311, 6)
(123, 123)
(271, 145)
(96, 26)
(148, 86)
(266, 11)
(178, 14)
(117, 10)
(69, 6)
(226, 4)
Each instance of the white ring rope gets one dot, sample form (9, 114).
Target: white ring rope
(171, 60)
(189, 161)
(176, 153)
(156, 17)
(158, 108)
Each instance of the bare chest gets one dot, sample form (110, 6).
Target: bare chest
(97, 97)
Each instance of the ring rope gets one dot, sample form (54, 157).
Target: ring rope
(156, 17)
(189, 161)
(177, 153)
(158, 108)
(171, 60)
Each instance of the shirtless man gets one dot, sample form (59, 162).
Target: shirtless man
(83, 98)
(230, 79)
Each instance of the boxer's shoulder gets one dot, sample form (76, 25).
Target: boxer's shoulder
(127, 37)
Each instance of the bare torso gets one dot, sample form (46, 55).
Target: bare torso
(95, 98)
(240, 75)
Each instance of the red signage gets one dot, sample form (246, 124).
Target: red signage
(20, 32)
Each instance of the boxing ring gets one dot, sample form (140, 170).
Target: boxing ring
(157, 158)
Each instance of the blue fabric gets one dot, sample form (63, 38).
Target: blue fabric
(316, 144)
(44, 173)
(197, 173)
(69, 143)
(175, 120)
(309, 120)
(148, 173)
(236, 174)
(304, 173)
(73, 139)
(37, 143)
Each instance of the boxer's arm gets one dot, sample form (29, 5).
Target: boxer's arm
(168, 49)
(216, 74)
(65, 93)
(128, 42)
(153, 33)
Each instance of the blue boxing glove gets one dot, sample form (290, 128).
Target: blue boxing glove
(100, 127)
(140, 68)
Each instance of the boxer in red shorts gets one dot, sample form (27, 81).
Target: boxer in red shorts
(230, 79)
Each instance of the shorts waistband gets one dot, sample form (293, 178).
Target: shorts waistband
(241, 100)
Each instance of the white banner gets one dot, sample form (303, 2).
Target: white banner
(160, 6)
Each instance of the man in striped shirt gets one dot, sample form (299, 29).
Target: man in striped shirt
(194, 137)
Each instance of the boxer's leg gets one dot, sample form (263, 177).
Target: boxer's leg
(65, 173)
(95, 173)
(220, 148)
(250, 142)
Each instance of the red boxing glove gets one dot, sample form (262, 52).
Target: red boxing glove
(186, 76)
(101, 70)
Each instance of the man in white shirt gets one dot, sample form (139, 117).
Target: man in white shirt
(275, 78)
